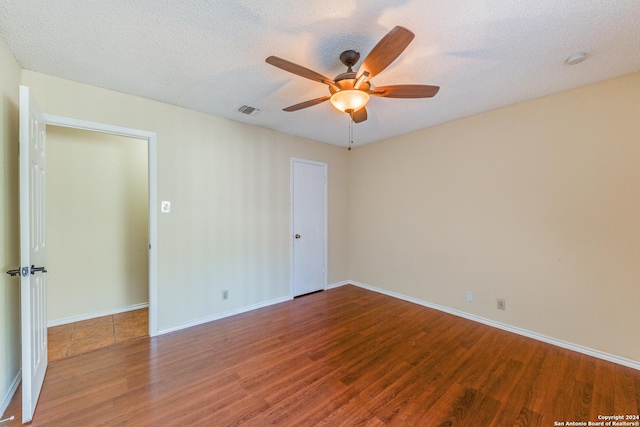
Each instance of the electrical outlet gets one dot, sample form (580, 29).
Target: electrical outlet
(469, 296)
(501, 304)
(225, 294)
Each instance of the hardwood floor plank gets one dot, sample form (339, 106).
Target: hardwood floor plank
(311, 403)
(360, 403)
(580, 403)
(637, 385)
(514, 410)
(526, 418)
(480, 410)
(624, 390)
(342, 357)
(443, 409)
(434, 379)
(603, 390)
(487, 355)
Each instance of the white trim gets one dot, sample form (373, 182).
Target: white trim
(151, 139)
(10, 393)
(338, 284)
(225, 314)
(69, 122)
(87, 316)
(325, 166)
(536, 336)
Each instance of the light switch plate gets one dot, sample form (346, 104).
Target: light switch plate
(165, 206)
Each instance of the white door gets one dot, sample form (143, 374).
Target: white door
(309, 226)
(32, 252)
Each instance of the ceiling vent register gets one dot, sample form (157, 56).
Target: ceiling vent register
(250, 111)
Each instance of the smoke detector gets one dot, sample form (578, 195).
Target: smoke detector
(576, 58)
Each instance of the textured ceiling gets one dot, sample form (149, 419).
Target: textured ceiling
(209, 55)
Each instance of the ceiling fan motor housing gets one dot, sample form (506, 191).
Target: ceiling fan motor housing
(346, 81)
(349, 58)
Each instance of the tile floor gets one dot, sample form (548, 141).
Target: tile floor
(77, 338)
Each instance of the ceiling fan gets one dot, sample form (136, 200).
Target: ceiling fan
(350, 91)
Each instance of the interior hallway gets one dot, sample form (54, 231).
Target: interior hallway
(81, 337)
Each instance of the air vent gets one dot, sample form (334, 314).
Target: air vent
(251, 111)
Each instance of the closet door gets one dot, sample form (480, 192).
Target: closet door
(309, 226)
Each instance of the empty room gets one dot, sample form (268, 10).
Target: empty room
(329, 213)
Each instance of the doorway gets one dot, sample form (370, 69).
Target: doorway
(149, 140)
(97, 233)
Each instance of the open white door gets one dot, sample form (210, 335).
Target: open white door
(32, 252)
(309, 226)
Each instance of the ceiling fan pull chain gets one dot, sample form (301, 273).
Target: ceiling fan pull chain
(350, 131)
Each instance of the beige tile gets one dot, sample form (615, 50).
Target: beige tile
(131, 325)
(129, 334)
(58, 339)
(98, 321)
(61, 332)
(88, 335)
(89, 344)
(93, 328)
(135, 315)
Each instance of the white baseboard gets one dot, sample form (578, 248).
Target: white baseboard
(10, 393)
(225, 314)
(536, 336)
(81, 317)
(338, 284)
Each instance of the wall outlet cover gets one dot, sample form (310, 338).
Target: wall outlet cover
(165, 206)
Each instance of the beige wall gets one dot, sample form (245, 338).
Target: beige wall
(537, 203)
(228, 184)
(9, 245)
(97, 223)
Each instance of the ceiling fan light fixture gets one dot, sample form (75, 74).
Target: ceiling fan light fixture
(349, 100)
(351, 91)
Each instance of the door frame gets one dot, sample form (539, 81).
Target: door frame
(294, 160)
(151, 139)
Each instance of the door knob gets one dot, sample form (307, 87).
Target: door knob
(34, 269)
(297, 236)
(15, 272)
(24, 271)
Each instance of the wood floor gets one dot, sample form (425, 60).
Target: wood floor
(346, 356)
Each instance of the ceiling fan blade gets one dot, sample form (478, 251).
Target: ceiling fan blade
(359, 116)
(297, 69)
(406, 91)
(306, 104)
(386, 51)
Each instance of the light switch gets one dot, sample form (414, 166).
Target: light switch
(165, 206)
